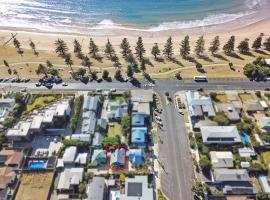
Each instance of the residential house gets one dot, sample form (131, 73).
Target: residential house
(137, 188)
(199, 106)
(72, 158)
(11, 157)
(69, 180)
(116, 110)
(233, 181)
(136, 156)
(252, 106)
(103, 124)
(118, 158)
(234, 98)
(36, 125)
(141, 101)
(246, 152)
(264, 124)
(229, 110)
(99, 157)
(220, 135)
(95, 189)
(6, 105)
(98, 137)
(20, 132)
(221, 159)
(138, 136)
(138, 119)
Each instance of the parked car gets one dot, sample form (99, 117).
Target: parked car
(113, 90)
(38, 84)
(158, 118)
(48, 85)
(5, 79)
(64, 84)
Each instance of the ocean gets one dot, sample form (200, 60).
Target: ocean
(146, 15)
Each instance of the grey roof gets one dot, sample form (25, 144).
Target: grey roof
(117, 110)
(70, 154)
(98, 137)
(252, 106)
(229, 110)
(89, 122)
(81, 137)
(95, 190)
(90, 103)
(137, 188)
(198, 104)
(230, 175)
(118, 157)
(246, 152)
(220, 134)
(70, 177)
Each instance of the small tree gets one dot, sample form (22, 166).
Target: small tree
(155, 51)
(129, 71)
(228, 48)
(185, 47)
(199, 67)
(118, 74)
(178, 75)
(125, 123)
(215, 45)
(109, 50)
(42, 70)
(17, 45)
(221, 119)
(199, 48)
(266, 44)
(81, 72)
(105, 74)
(139, 49)
(243, 47)
(143, 66)
(49, 64)
(93, 49)
(87, 63)
(168, 48)
(69, 61)
(6, 63)
(61, 48)
(125, 48)
(33, 47)
(205, 163)
(257, 44)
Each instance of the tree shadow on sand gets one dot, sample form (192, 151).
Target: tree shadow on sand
(220, 57)
(262, 52)
(235, 55)
(175, 61)
(206, 58)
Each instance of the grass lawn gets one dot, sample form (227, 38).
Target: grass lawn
(34, 186)
(222, 98)
(117, 97)
(114, 129)
(266, 158)
(246, 96)
(39, 103)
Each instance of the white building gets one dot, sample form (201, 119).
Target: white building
(221, 159)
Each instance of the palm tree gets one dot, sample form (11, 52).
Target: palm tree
(77, 49)
(61, 48)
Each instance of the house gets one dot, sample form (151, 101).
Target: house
(11, 157)
(141, 107)
(246, 152)
(69, 156)
(36, 125)
(264, 124)
(138, 136)
(98, 137)
(220, 135)
(20, 132)
(90, 103)
(137, 188)
(103, 124)
(136, 156)
(6, 105)
(81, 159)
(229, 110)
(233, 181)
(116, 110)
(138, 119)
(95, 189)
(63, 109)
(221, 159)
(7, 177)
(199, 106)
(81, 137)
(204, 122)
(99, 157)
(70, 179)
(252, 106)
(117, 158)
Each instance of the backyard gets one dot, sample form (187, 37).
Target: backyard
(222, 98)
(114, 129)
(246, 97)
(34, 186)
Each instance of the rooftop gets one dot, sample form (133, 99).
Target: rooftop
(70, 154)
(95, 189)
(11, 156)
(138, 118)
(138, 134)
(20, 130)
(70, 177)
(223, 175)
(141, 96)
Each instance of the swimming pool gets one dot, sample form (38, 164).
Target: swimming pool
(245, 138)
(36, 165)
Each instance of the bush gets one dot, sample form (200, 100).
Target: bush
(110, 141)
(221, 119)
(213, 95)
(77, 143)
(205, 163)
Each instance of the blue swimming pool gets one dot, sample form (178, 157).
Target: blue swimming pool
(36, 165)
(245, 138)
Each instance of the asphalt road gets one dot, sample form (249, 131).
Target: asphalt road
(174, 156)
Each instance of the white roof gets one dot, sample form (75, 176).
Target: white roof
(221, 158)
(264, 104)
(69, 177)
(246, 152)
(81, 158)
(48, 116)
(267, 61)
(141, 95)
(62, 108)
(70, 154)
(36, 122)
(81, 137)
(21, 130)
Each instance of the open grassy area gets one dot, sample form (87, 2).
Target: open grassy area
(114, 129)
(39, 103)
(222, 98)
(34, 186)
(246, 96)
(117, 97)
(266, 158)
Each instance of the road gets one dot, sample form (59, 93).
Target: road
(176, 178)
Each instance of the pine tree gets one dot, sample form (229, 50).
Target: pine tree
(87, 63)
(143, 66)
(118, 74)
(33, 47)
(93, 49)
(139, 49)
(6, 63)
(257, 44)
(105, 74)
(185, 47)
(17, 45)
(199, 48)
(155, 51)
(109, 50)
(243, 46)
(129, 71)
(115, 61)
(214, 48)
(228, 48)
(168, 48)
(61, 48)
(266, 44)
(125, 48)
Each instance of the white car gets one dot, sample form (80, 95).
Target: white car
(113, 90)
(158, 118)
(64, 84)
(38, 84)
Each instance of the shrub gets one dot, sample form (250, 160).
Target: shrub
(205, 163)
(221, 119)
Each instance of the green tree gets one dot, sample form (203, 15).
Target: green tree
(87, 63)
(199, 48)
(139, 49)
(105, 74)
(49, 64)
(257, 44)
(129, 71)
(110, 141)
(130, 59)
(93, 49)
(221, 119)
(262, 196)
(215, 45)
(228, 48)
(125, 123)
(81, 72)
(33, 47)
(266, 44)
(109, 50)
(82, 188)
(6, 63)
(205, 163)
(243, 46)
(185, 47)
(17, 45)
(69, 61)
(115, 61)
(61, 48)
(77, 49)
(168, 48)
(9, 121)
(155, 51)
(125, 48)
(143, 66)
(178, 75)
(118, 74)
(42, 70)
(199, 67)
(15, 72)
